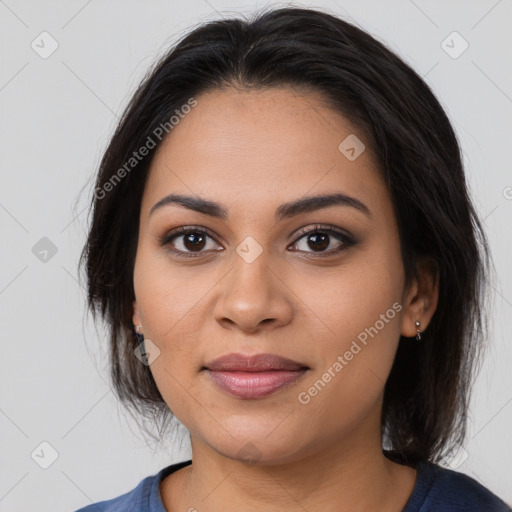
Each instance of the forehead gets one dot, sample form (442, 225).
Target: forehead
(251, 149)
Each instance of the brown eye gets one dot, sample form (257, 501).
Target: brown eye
(323, 241)
(189, 242)
(194, 241)
(318, 241)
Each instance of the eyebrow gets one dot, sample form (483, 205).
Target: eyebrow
(286, 210)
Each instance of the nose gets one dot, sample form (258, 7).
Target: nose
(252, 298)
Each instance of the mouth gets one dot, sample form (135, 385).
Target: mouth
(252, 377)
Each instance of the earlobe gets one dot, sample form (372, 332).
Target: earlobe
(422, 299)
(136, 316)
(411, 312)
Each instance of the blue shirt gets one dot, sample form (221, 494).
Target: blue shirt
(437, 489)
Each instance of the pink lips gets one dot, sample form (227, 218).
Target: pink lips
(253, 376)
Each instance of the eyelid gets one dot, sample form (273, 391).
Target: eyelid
(183, 230)
(305, 230)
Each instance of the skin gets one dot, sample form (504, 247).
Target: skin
(251, 151)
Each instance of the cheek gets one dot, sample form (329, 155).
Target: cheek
(355, 366)
(171, 301)
(169, 295)
(360, 305)
(358, 294)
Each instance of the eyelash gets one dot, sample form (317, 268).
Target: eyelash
(343, 237)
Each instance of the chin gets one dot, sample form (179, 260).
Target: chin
(254, 446)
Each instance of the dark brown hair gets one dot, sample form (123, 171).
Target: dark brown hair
(427, 393)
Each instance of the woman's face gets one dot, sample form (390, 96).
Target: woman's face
(256, 283)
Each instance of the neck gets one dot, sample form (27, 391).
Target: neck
(350, 475)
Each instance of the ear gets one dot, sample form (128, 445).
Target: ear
(421, 298)
(136, 315)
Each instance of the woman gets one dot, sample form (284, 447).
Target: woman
(285, 251)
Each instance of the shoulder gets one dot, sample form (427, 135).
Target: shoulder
(144, 498)
(137, 499)
(439, 489)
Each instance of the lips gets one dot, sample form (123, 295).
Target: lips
(256, 376)
(255, 363)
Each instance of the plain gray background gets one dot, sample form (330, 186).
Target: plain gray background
(57, 115)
